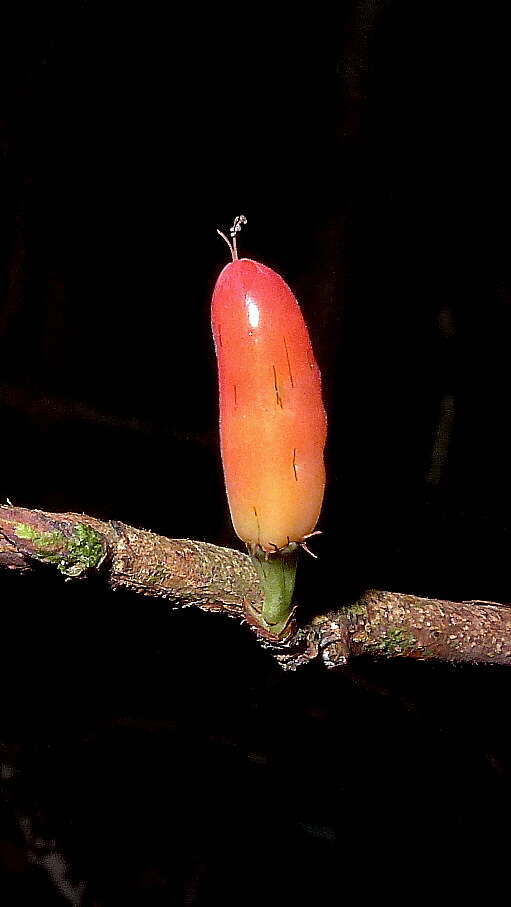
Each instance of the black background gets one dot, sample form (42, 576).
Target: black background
(168, 758)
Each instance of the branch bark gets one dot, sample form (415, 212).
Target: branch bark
(186, 573)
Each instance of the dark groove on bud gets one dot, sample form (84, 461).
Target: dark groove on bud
(258, 527)
(279, 398)
(289, 364)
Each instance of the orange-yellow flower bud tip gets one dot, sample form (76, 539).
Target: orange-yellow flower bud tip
(272, 418)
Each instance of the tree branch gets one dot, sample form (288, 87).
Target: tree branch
(185, 572)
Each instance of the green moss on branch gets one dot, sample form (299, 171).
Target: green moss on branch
(73, 555)
(393, 642)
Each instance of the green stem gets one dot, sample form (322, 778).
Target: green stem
(277, 574)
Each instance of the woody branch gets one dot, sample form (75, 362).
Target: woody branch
(190, 573)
